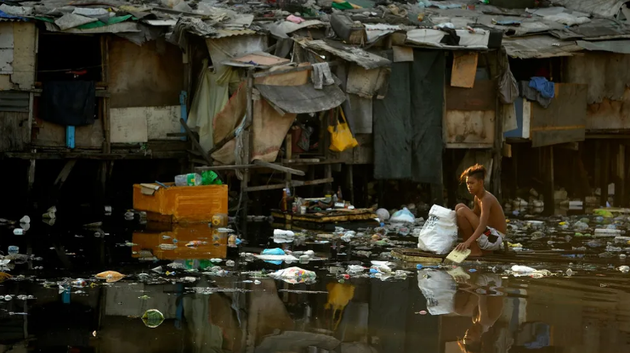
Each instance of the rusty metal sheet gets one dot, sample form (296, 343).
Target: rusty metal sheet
(609, 115)
(565, 118)
(482, 96)
(469, 129)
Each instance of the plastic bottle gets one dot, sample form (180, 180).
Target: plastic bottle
(18, 231)
(220, 220)
(13, 250)
(190, 179)
(608, 232)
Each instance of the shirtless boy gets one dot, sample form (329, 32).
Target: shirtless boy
(483, 228)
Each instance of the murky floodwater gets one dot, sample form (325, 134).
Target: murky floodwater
(240, 309)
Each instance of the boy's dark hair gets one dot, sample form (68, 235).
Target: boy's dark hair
(478, 171)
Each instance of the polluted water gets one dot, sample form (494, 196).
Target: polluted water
(338, 290)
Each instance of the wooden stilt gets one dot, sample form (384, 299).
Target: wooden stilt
(351, 182)
(31, 182)
(246, 138)
(65, 172)
(548, 177)
(605, 173)
(620, 180)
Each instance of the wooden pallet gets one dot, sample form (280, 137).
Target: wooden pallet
(418, 256)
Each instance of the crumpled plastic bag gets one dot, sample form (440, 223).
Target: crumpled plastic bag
(294, 275)
(403, 215)
(283, 236)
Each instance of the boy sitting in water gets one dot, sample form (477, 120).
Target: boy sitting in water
(483, 228)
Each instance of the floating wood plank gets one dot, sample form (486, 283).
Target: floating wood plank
(464, 69)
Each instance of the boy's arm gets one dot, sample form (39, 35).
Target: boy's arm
(483, 224)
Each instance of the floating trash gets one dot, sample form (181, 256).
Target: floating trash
(110, 276)
(152, 318)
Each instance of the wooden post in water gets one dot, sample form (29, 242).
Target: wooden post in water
(246, 138)
(605, 173)
(548, 179)
(31, 181)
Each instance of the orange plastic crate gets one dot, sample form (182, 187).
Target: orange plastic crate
(183, 203)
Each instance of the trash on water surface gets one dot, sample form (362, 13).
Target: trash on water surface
(152, 318)
(294, 275)
(110, 276)
(624, 268)
(165, 246)
(283, 236)
(519, 271)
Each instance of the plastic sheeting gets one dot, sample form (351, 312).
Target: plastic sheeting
(408, 122)
(210, 98)
(269, 127)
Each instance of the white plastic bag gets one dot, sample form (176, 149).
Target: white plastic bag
(439, 232)
(439, 288)
(403, 215)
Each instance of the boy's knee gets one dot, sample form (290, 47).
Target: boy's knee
(461, 211)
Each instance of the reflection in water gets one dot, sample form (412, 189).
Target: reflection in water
(434, 311)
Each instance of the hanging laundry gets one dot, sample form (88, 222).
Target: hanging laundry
(70, 103)
(546, 88)
(321, 75)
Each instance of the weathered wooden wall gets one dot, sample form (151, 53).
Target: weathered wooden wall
(17, 55)
(608, 77)
(609, 115)
(563, 120)
(14, 132)
(470, 115)
(144, 76)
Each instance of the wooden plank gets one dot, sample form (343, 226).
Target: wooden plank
(549, 181)
(195, 142)
(65, 172)
(482, 96)
(226, 139)
(565, 118)
(402, 54)
(464, 69)
(294, 183)
(14, 130)
(93, 156)
(279, 167)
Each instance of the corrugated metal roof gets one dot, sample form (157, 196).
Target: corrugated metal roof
(539, 46)
(223, 33)
(347, 52)
(613, 46)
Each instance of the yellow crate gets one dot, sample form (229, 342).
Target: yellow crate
(185, 204)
